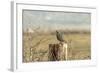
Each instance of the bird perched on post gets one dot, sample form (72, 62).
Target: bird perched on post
(59, 36)
(63, 45)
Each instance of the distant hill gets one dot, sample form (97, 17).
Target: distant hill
(65, 31)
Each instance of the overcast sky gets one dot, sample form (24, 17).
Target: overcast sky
(48, 20)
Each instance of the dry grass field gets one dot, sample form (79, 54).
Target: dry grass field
(35, 47)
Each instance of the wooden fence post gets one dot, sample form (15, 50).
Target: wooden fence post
(57, 52)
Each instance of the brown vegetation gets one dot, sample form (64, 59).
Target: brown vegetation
(35, 45)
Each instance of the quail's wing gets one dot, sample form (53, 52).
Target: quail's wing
(60, 36)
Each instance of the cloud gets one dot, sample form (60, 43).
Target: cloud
(48, 19)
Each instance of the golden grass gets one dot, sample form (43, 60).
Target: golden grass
(78, 46)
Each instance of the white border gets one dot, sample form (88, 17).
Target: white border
(17, 37)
